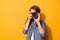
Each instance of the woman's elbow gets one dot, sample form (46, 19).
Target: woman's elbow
(24, 31)
(43, 35)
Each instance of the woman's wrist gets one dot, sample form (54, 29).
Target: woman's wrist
(28, 20)
(37, 22)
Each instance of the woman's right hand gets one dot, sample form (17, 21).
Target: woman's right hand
(29, 16)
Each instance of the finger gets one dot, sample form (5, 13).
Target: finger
(38, 15)
(34, 19)
(30, 14)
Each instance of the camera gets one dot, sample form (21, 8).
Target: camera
(34, 15)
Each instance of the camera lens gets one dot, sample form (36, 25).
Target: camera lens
(34, 15)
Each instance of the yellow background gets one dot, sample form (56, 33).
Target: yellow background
(13, 14)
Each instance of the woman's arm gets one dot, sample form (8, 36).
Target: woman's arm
(26, 26)
(42, 29)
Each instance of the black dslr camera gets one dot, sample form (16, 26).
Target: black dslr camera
(34, 15)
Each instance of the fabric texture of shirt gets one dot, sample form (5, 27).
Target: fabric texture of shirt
(34, 28)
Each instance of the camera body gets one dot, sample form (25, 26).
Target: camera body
(35, 15)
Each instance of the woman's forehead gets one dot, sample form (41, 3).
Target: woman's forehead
(32, 10)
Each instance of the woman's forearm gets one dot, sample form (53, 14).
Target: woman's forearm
(41, 30)
(26, 25)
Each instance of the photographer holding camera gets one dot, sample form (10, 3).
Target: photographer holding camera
(34, 27)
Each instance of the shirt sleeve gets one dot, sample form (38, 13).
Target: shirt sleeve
(44, 27)
(24, 31)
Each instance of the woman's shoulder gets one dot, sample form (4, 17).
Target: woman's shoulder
(42, 22)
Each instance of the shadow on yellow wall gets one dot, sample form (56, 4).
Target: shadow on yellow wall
(48, 30)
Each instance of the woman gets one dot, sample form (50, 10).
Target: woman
(35, 28)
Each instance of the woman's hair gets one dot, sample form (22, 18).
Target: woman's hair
(35, 8)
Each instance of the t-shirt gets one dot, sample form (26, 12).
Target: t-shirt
(32, 37)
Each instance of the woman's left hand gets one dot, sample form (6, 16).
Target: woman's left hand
(38, 19)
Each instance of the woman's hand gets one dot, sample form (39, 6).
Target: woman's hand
(29, 16)
(38, 19)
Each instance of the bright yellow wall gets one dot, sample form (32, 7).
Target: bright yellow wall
(13, 14)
